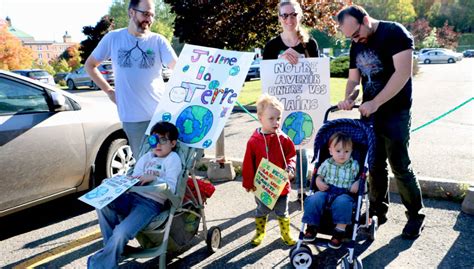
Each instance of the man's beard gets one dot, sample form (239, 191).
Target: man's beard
(143, 26)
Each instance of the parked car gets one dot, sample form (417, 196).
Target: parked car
(54, 143)
(468, 53)
(60, 76)
(79, 77)
(439, 56)
(37, 74)
(254, 70)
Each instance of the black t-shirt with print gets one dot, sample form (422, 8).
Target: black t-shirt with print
(375, 63)
(276, 47)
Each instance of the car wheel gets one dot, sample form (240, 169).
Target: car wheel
(119, 158)
(451, 60)
(70, 85)
(427, 61)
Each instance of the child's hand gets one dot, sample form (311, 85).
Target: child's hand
(291, 175)
(145, 179)
(322, 186)
(251, 189)
(355, 187)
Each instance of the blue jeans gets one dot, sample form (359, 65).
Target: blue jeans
(135, 132)
(119, 222)
(341, 208)
(304, 172)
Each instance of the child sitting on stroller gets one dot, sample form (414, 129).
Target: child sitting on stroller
(335, 179)
(122, 219)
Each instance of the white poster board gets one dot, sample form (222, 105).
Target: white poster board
(201, 93)
(109, 190)
(303, 89)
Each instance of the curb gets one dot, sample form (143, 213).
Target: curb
(439, 188)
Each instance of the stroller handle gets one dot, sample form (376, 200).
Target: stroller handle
(333, 109)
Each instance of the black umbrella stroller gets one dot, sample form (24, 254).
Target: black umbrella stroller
(363, 152)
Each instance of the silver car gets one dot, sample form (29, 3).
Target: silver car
(80, 77)
(53, 143)
(439, 56)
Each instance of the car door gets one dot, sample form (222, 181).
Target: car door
(82, 77)
(42, 152)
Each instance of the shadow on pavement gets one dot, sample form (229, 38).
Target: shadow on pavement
(42, 215)
(460, 254)
(389, 252)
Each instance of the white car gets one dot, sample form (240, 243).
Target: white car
(439, 56)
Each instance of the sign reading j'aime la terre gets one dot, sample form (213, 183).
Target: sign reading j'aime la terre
(201, 93)
(303, 88)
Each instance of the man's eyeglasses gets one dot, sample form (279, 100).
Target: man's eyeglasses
(154, 140)
(145, 13)
(356, 33)
(286, 15)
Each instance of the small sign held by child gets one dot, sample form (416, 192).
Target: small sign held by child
(109, 190)
(269, 182)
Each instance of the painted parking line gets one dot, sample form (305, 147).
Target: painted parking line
(59, 251)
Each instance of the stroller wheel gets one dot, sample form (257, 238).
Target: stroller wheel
(302, 257)
(213, 239)
(374, 225)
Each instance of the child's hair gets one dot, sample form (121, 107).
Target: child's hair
(167, 129)
(265, 101)
(340, 137)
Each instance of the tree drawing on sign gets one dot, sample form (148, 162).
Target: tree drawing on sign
(146, 58)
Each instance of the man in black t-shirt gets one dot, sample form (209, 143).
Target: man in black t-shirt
(381, 58)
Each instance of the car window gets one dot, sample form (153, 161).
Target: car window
(17, 98)
(35, 74)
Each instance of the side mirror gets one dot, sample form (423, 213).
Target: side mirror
(59, 101)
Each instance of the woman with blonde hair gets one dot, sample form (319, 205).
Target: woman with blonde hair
(292, 43)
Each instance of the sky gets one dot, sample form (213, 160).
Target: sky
(48, 20)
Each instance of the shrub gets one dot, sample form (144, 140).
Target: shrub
(340, 67)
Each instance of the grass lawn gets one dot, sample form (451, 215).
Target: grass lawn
(252, 90)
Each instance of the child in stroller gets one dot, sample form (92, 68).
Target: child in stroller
(335, 180)
(362, 138)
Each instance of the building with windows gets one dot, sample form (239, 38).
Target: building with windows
(43, 51)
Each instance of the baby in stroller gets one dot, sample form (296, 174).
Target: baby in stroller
(342, 195)
(335, 181)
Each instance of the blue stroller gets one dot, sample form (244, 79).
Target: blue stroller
(363, 152)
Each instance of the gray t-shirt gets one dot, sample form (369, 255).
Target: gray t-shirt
(137, 64)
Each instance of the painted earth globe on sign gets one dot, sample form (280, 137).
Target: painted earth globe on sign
(194, 123)
(298, 126)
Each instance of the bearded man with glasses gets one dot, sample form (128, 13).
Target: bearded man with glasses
(381, 59)
(137, 56)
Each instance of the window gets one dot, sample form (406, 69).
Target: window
(18, 98)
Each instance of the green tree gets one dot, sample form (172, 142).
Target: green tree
(402, 11)
(94, 35)
(242, 25)
(430, 41)
(164, 17)
(60, 65)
